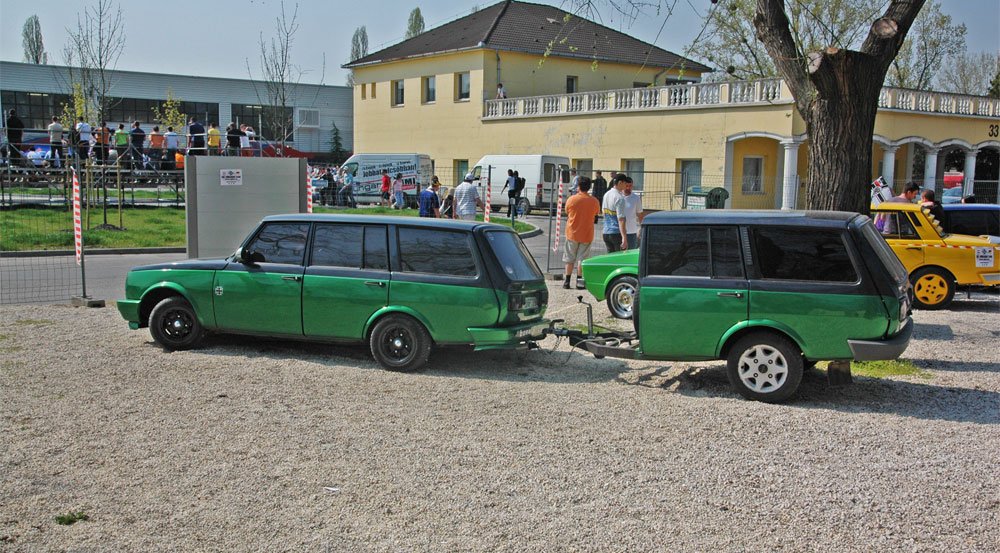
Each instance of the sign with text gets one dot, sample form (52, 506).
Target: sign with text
(231, 177)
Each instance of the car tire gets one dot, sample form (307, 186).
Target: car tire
(400, 343)
(765, 366)
(621, 296)
(174, 324)
(523, 206)
(933, 288)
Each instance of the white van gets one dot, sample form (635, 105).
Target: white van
(540, 172)
(367, 171)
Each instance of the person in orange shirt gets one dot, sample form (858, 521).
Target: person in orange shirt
(102, 136)
(156, 147)
(581, 209)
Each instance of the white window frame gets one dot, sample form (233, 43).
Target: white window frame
(458, 86)
(429, 83)
(308, 118)
(398, 93)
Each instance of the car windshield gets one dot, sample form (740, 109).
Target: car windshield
(517, 263)
(884, 252)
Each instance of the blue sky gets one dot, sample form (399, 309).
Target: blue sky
(217, 38)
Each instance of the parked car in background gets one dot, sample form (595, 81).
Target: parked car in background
(972, 219)
(768, 291)
(952, 196)
(402, 285)
(613, 277)
(936, 261)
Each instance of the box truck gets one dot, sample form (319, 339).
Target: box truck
(540, 172)
(367, 170)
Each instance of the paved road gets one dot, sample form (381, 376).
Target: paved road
(106, 273)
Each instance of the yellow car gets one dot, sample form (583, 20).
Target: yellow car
(935, 260)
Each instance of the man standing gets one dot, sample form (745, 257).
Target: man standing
(574, 182)
(887, 221)
(581, 209)
(56, 140)
(196, 138)
(172, 143)
(510, 185)
(633, 215)
(15, 135)
(430, 205)
(121, 142)
(467, 199)
(613, 208)
(214, 139)
(599, 187)
(83, 142)
(102, 140)
(137, 147)
(386, 183)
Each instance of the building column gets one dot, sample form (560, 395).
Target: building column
(889, 164)
(970, 172)
(728, 175)
(911, 150)
(790, 175)
(930, 168)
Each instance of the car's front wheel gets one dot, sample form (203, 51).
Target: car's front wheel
(933, 288)
(621, 296)
(765, 366)
(174, 324)
(400, 343)
(523, 206)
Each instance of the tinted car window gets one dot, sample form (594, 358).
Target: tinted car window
(974, 222)
(517, 263)
(337, 246)
(376, 248)
(438, 252)
(281, 242)
(803, 254)
(677, 251)
(727, 262)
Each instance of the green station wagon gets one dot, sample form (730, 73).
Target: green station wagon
(403, 285)
(768, 291)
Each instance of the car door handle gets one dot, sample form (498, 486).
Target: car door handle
(730, 294)
(294, 278)
(378, 283)
(913, 249)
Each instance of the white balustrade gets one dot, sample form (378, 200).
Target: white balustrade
(925, 102)
(597, 101)
(550, 104)
(575, 103)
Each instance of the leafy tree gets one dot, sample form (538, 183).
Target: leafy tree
(359, 49)
(31, 39)
(415, 25)
(969, 73)
(337, 150)
(932, 39)
(170, 114)
(92, 51)
(995, 86)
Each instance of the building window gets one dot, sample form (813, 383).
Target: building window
(34, 109)
(268, 122)
(430, 90)
(637, 84)
(691, 174)
(461, 169)
(373, 91)
(635, 168)
(462, 86)
(753, 175)
(364, 91)
(584, 167)
(397, 93)
(572, 84)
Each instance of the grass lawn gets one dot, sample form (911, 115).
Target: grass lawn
(57, 191)
(144, 227)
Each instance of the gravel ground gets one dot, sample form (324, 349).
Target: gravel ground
(248, 445)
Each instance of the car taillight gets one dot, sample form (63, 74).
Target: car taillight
(523, 302)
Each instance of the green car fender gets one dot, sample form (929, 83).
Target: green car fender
(620, 271)
(761, 324)
(203, 307)
(398, 309)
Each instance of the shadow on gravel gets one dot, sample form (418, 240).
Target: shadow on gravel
(956, 366)
(974, 305)
(865, 395)
(278, 349)
(927, 331)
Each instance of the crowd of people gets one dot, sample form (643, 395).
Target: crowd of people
(133, 147)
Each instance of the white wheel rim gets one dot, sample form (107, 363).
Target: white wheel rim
(623, 294)
(763, 369)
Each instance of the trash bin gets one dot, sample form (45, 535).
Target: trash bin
(716, 198)
(695, 198)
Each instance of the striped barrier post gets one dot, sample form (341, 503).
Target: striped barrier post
(309, 192)
(77, 220)
(486, 202)
(559, 203)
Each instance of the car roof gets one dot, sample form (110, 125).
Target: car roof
(450, 224)
(898, 206)
(837, 219)
(971, 207)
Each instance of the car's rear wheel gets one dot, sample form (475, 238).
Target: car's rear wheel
(765, 366)
(621, 296)
(174, 324)
(933, 288)
(400, 343)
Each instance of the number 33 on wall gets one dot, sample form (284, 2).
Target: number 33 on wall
(994, 130)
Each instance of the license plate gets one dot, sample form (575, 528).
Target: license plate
(525, 333)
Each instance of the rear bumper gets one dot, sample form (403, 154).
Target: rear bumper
(506, 337)
(877, 350)
(129, 310)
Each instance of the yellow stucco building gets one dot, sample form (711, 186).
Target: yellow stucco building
(610, 102)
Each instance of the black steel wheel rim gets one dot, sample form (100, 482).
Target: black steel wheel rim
(397, 344)
(177, 324)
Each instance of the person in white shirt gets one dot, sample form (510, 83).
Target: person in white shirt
(55, 141)
(83, 145)
(36, 156)
(467, 199)
(172, 143)
(633, 214)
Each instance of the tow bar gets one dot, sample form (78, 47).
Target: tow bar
(601, 344)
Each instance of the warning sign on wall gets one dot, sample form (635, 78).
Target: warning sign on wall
(231, 177)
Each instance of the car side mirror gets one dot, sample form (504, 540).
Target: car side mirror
(248, 257)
